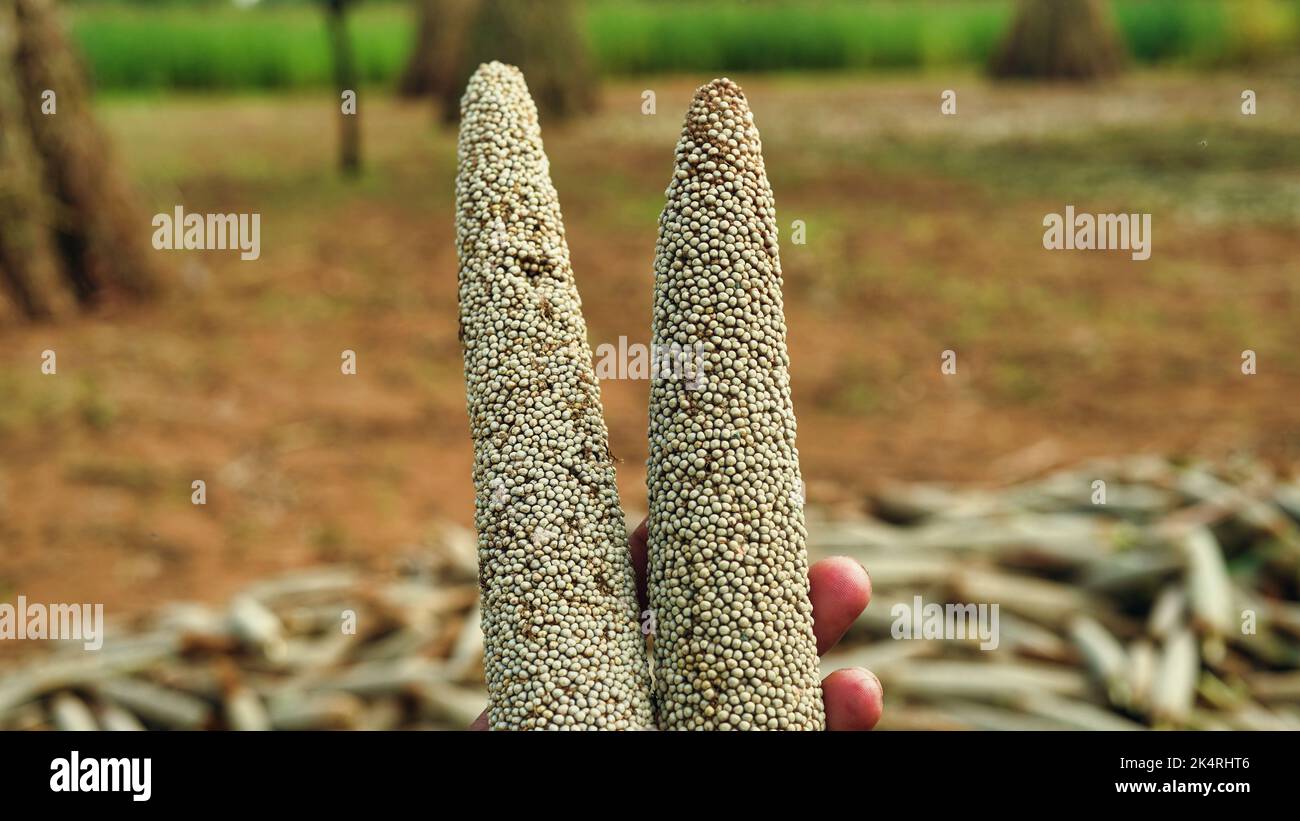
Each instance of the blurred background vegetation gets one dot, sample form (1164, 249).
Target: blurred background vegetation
(218, 44)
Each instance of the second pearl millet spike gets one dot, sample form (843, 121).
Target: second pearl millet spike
(734, 645)
(563, 644)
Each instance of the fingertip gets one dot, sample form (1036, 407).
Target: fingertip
(854, 699)
(847, 578)
(840, 590)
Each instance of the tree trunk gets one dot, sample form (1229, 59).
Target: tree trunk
(435, 56)
(345, 78)
(25, 263)
(418, 78)
(544, 40)
(1060, 39)
(102, 241)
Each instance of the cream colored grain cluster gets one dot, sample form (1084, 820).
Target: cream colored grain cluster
(734, 646)
(563, 647)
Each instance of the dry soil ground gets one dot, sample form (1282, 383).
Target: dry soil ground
(923, 235)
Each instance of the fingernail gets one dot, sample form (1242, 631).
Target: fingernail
(872, 677)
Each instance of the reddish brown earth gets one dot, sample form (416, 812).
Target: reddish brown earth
(234, 377)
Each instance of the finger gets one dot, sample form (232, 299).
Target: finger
(480, 723)
(638, 544)
(840, 590)
(853, 698)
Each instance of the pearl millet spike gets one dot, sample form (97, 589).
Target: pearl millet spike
(563, 645)
(734, 645)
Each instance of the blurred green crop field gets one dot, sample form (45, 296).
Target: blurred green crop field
(201, 46)
(205, 45)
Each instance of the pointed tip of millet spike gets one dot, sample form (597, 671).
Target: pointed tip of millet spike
(720, 87)
(495, 68)
(493, 80)
(716, 98)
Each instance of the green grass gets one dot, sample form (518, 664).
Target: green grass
(202, 45)
(636, 37)
(54, 402)
(222, 47)
(1209, 33)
